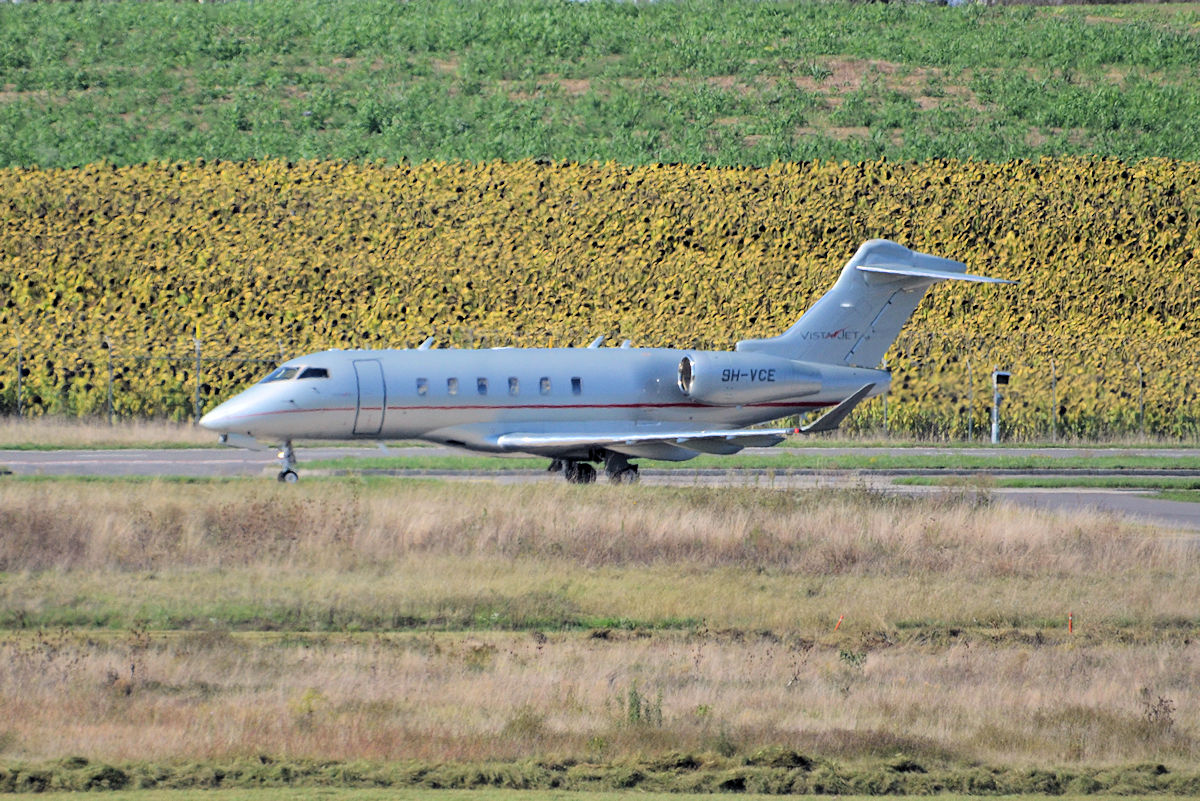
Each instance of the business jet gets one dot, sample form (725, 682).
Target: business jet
(579, 406)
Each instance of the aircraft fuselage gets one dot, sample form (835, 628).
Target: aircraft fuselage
(583, 405)
(468, 397)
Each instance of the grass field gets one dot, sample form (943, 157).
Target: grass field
(51, 432)
(403, 794)
(485, 794)
(699, 82)
(812, 459)
(1083, 481)
(415, 634)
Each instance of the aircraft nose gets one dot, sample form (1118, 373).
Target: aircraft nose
(219, 419)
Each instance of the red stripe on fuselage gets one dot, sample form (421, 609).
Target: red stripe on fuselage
(536, 406)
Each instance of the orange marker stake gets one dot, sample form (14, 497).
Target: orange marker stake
(1070, 623)
(839, 623)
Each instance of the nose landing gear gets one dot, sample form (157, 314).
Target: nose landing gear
(287, 460)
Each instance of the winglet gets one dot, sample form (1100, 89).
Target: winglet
(833, 418)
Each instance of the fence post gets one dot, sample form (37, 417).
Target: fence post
(108, 347)
(20, 380)
(885, 397)
(971, 402)
(1053, 402)
(1141, 402)
(196, 417)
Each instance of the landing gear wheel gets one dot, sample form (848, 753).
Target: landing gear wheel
(627, 476)
(618, 469)
(579, 473)
(287, 460)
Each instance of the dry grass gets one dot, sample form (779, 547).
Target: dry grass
(334, 555)
(503, 696)
(68, 432)
(953, 646)
(354, 525)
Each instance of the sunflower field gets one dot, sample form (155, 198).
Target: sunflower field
(146, 273)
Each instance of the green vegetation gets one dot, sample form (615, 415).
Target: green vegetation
(783, 460)
(676, 777)
(1081, 481)
(1179, 495)
(490, 792)
(703, 81)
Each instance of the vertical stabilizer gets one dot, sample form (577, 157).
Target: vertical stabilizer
(856, 321)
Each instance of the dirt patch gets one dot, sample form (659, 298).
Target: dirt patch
(840, 72)
(1037, 138)
(828, 78)
(840, 133)
(575, 86)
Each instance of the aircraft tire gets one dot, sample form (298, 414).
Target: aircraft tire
(288, 476)
(627, 476)
(579, 473)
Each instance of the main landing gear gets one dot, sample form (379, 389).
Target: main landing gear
(616, 467)
(287, 460)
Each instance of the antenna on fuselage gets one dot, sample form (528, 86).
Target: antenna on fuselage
(426, 345)
(596, 342)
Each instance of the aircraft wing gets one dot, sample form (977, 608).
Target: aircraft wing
(694, 439)
(678, 444)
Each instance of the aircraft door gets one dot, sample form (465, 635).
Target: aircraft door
(372, 397)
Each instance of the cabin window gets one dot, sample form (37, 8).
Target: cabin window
(514, 386)
(576, 386)
(315, 372)
(422, 386)
(481, 385)
(544, 385)
(281, 374)
(451, 386)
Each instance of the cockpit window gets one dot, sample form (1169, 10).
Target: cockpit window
(281, 374)
(315, 372)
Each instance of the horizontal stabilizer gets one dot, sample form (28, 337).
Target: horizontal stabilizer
(834, 417)
(909, 271)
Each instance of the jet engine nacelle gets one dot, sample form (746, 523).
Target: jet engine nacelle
(731, 379)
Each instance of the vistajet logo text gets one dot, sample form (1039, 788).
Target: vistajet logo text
(840, 334)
